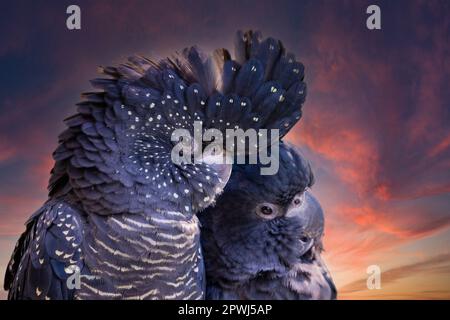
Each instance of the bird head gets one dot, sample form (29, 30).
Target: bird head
(265, 223)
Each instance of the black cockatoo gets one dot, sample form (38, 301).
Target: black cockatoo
(120, 221)
(263, 238)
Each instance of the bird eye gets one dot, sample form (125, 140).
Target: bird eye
(267, 211)
(298, 199)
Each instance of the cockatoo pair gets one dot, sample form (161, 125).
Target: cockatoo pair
(121, 221)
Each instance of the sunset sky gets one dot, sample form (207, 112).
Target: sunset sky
(376, 124)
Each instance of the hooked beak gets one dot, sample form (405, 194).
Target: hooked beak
(311, 218)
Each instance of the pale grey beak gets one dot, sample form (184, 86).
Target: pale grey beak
(311, 216)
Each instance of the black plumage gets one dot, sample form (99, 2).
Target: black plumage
(119, 210)
(263, 238)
